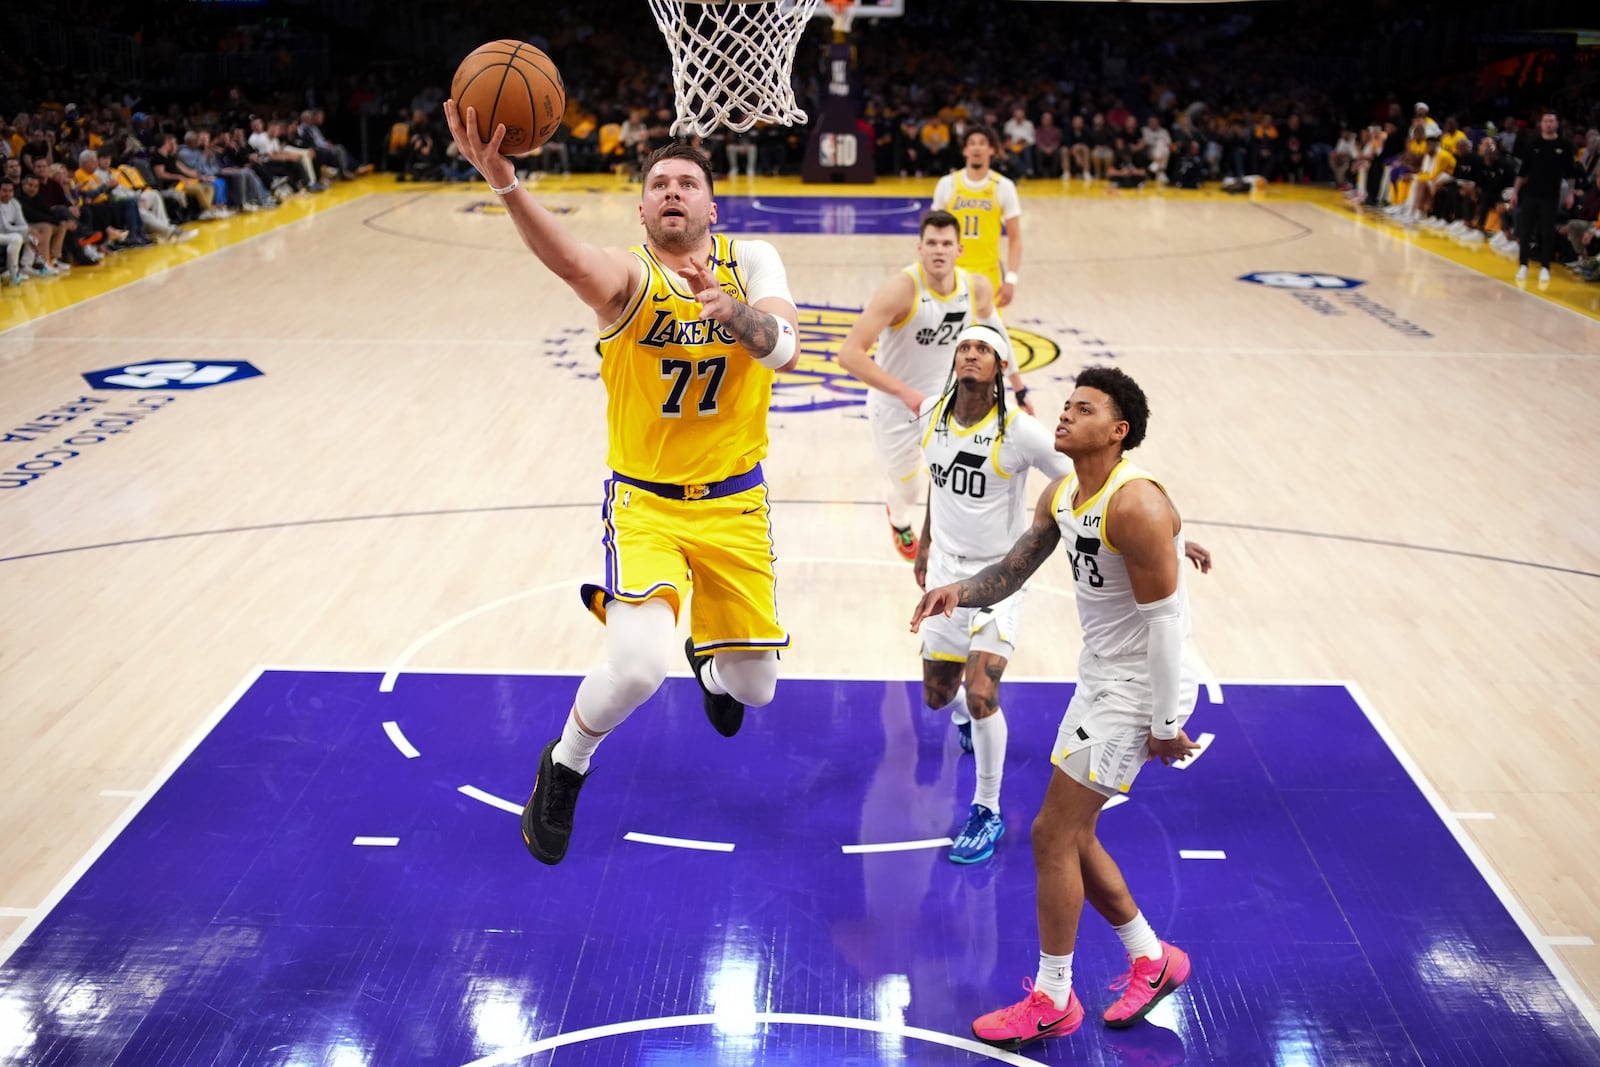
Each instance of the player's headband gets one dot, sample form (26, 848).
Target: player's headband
(989, 336)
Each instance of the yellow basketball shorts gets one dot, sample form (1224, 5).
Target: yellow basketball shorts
(717, 548)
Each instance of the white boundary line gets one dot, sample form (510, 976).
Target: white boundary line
(896, 846)
(78, 870)
(377, 842)
(760, 1018)
(389, 676)
(1541, 944)
(1419, 246)
(1574, 942)
(16, 913)
(1471, 816)
(207, 256)
(400, 740)
(490, 799)
(678, 842)
(1202, 854)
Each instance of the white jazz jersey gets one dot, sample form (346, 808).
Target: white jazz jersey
(920, 348)
(1107, 610)
(978, 505)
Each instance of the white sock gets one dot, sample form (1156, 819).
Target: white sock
(1055, 978)
(576, 744)
(989, 750)
(1139, 938)
(958, 706)
(713, 683)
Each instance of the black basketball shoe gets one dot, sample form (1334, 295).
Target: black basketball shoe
(725, 713)
(547, 818)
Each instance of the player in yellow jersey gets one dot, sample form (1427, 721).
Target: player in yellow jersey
(984, 200)
(692, 329)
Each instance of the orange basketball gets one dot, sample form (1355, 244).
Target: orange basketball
(513, 83)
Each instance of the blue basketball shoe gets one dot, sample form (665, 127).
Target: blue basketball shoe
(984, 828)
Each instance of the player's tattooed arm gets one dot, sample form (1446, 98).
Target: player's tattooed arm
(1000, 579)
(756, 330)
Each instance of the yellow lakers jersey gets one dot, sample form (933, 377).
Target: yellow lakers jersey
(980, 213)
(685, 402)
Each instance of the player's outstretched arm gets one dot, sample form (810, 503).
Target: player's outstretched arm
(602, 278)
(769, 329)
(1002, 578)
(890, 304)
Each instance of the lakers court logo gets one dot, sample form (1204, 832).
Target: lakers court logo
(818, 383)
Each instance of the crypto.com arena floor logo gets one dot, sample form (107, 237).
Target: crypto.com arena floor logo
(818, 383)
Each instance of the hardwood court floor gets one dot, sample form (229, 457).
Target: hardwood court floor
(1399, 483)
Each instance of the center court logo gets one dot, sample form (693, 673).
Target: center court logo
(818, 384)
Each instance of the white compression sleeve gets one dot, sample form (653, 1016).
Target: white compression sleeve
(1164, 621)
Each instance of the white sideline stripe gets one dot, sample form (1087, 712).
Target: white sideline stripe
(1204, 741)
(119, 792)
(179, 754)
(1578, 941)
(897, 846)
(1470, 815)
(1202, 854)
(387, 685)
(388, 842)
(15, 913)
(760, 1018)
(678, 842)
(490, 799)
(407, 749)
(1486, 871)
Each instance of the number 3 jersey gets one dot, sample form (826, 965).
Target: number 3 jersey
(1107, 610)
(978, 503)
(685, 402)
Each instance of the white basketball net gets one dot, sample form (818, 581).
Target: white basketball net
(731, 61)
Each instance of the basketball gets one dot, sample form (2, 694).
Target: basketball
(512, 83)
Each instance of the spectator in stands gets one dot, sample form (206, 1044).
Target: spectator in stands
(1020, 138)
(1343, 157)
(1156, 143)
(1129, 167)
(328, 154)
(16, 236)
(171, 173)
(1101, 148)
(1047, 146)
(152, 206)
(266, 139)
(1075, 151)
(1295, 152)
(934, 135)
(109, 210)
(49, 236)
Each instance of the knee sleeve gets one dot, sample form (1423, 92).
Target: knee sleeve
(639, 647)
(751, 678)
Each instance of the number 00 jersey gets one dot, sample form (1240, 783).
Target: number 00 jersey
(1112, 625)
(685, 402)
(977, 507)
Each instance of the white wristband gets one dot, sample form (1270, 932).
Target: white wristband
(781, 352)
(1010, 277)
(502, 192)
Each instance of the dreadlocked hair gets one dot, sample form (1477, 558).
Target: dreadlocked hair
(948, 396)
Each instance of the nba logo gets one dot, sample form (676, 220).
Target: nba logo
(837, 150)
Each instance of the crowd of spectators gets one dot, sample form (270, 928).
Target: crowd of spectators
(1238, 95)
(77, 185)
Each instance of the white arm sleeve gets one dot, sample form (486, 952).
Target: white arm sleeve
(763, 271)
(1164, 620)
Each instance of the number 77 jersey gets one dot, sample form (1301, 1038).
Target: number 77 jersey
(685, 402)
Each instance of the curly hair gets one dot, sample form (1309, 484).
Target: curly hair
(1132, 407)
